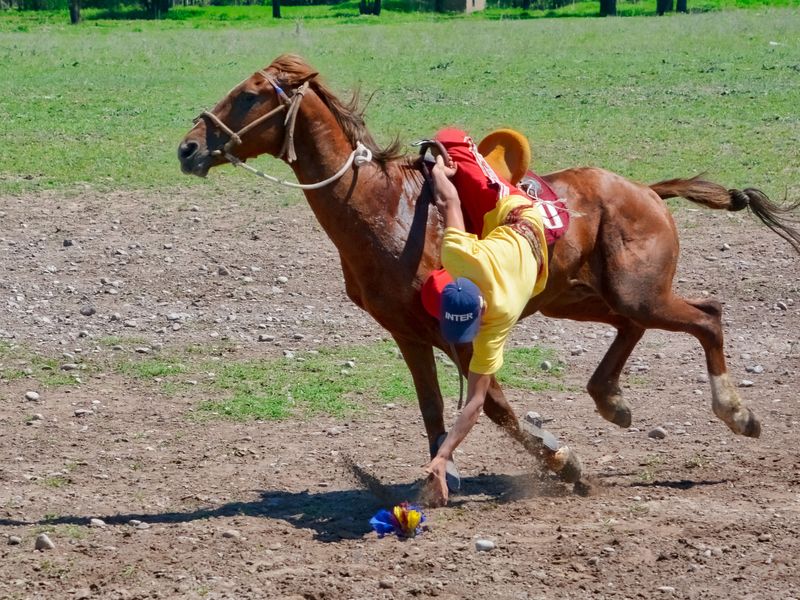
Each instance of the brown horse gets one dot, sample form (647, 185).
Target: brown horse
(615, 265)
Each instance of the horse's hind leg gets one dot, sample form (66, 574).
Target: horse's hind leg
(636, 269)
(703, 320)
(603, 386)
(725, 400)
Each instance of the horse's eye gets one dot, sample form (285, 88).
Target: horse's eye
(248, 98)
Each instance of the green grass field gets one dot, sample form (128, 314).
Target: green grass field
(104, 104)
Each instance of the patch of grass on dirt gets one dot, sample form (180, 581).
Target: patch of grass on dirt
(5, 349)
(216, 349)
(523, 369)
(165, 366)
(172, 388)
(47, 372)
(651, 464)
(332, 381)
(52, 569)
(342, 381)
(20, 363)
(636, 380)
(696, 461)
(73, 532)
(249, 405)
(12, 373)
(152, 368)
(55, 481)
(128, 571)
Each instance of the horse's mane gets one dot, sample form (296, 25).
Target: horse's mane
(294, 70)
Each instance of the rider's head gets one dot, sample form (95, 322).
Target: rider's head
(461, 310)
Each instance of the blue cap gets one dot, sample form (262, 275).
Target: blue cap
(461, 311)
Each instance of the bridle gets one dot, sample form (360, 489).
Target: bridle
(360, 156)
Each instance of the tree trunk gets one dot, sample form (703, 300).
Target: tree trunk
(663, 6)
(74, 11)
(681, 6)
(362, 8)
(156, 9)
(438, 5)
(276, 9)
(608, 8)
(376, 7)
(526, 4)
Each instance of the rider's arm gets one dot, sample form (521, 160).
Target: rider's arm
(446, 196)
(477, 388)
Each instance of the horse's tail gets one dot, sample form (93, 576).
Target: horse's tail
(780, 218)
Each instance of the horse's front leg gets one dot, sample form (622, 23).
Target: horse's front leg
(560, 460)
(420, 361)
(604, 386)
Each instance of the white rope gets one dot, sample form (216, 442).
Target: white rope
(358, 157)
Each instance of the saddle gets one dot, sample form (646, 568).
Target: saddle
(498, 165)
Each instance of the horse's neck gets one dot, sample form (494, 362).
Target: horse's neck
(368, 209)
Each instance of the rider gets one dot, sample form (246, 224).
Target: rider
(494, 276)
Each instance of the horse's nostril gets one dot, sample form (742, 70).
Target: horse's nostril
(187, 149)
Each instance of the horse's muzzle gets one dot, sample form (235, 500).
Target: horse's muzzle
(193, 160)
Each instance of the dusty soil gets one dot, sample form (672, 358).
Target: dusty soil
(268, 510)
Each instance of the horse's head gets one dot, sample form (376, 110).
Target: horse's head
(250, 120)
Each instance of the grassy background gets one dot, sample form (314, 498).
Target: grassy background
(347, 12)
(103, 105)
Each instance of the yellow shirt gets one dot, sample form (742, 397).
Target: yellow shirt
(503, 266)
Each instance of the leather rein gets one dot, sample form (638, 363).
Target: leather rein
(429, 149)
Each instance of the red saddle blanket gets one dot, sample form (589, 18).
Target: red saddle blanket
(480, 187)
(555, 215)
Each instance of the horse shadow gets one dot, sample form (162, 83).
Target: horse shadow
(333, 515)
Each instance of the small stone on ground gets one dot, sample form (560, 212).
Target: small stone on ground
(43, 542)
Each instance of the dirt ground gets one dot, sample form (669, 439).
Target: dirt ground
(268, 510)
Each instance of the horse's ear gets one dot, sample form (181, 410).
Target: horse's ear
(290, 79)
(307, 77)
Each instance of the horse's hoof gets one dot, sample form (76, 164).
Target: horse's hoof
(572, 469)
(582, 488)
(622, 416)
(753, 426)
(744, 422)
(618, 413)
